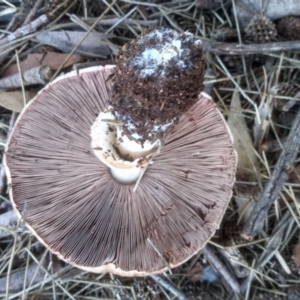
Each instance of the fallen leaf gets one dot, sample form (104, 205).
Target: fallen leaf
(66, 41)
(247, 159)
(248, 163)
(52, 59)
(265, 110)
(14, 100)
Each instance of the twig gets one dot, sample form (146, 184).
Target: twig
(237, 49)
(35, 24)
(234, 253)
(33, 12)
(280, 175)
(25, 30)
(39, 75)
(9, 27)
(128, 21)
(168, 286)
(221, 269)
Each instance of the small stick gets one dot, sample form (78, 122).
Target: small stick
(25, 30)
(221, 268)
(34, 25)
(233, 252)
(33, 11)
(168, 286)
(127, 21)
(38, 75)
(280, 175)
(237, 49)
(9, 27)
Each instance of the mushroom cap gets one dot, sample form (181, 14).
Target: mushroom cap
(70, 202)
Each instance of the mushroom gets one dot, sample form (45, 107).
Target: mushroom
(131, 188)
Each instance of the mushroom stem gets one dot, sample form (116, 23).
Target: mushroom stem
(125, 157)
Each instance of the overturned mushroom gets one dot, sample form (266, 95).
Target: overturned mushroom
(114, 182)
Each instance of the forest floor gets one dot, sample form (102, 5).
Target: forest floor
(252, 74)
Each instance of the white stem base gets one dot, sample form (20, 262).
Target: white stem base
(126, 158)
(126, 176)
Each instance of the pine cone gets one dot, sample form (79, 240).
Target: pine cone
(232, 62)
(293, 293)
(51, 4)
(97, 7)
(289, 27)
(232, 232)
(294, 268)
(27, 4)
(288, 90)
(145, 289)
(207, 4)
(286, 118)
(261, 30)
(235, 62)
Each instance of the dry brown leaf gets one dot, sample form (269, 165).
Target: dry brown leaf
(296, 256)
(265, 110)
(92, 45)
(14, 100)
(248, 163)
(52, 59)
(243, 144)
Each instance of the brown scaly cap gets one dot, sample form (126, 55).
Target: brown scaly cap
(289, 27)
(158, 77)
(69, 200)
